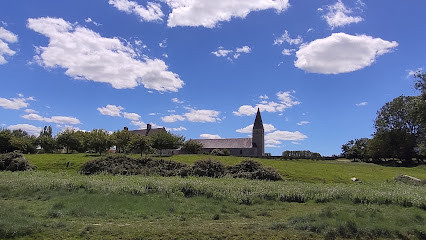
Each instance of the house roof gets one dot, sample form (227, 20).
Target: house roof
(151, 132)
(226, 143)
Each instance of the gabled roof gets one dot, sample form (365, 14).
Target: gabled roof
(151, 132)
(226, 143)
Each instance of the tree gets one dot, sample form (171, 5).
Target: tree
(5, 138)
(420, 85)
(356, 149)
(393, 144)
(140, 143)
(121, 139)
(83, 138)
(68, 139)
(25, 144)
(167, 140)
(99, 140)
(192, 146)
(46, 141)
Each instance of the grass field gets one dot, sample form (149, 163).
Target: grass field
(317, 201)
(339, 171)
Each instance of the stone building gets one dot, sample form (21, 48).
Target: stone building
(247, 147)
(149, 131)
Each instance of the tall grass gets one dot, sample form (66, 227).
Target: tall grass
(236, 190)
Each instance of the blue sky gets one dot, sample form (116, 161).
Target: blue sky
(318, 70)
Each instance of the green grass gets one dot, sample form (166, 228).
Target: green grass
(49, 205)
(340, 171)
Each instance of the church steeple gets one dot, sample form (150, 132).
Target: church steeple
(258, 137)
(258, 124)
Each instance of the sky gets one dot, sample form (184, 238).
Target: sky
(317, 70)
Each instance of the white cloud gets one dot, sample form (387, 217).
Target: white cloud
(286, 100)
(263, 97)
(131, 116)
(54, 119)
(176, 100)
(89, 20)
(176, 129)
(152, 12)
(286, 38)
(30, 111)
(302, 123)
(209, 13)
(6, 37)
(288, 52)
(172, 118)
(87, 55)
(341, 53)
(163, 44)
(221, 52)
(111, 110)
(412, 72)
(272, 146)
(202, 115)
(15, 103)
(210, 136)
(361, 104)
(30, 129)
(139, 124)
(275, 138)
(249, 129)
(337, 15)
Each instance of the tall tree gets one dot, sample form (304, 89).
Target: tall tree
(121, 140)
(192, 146)
(99, 140)
(140, 143)
(46, 141)
(167, 140)
(68, 139)
(5, 138)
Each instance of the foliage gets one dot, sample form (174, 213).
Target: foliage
(301, 155)
(121, 139)
(99, 140)
(14, 162)
(395, 144)
(166, 140)
(356, 149)
(68, 139)
(141, 144)
(208, 168)
(5, 137)
(253, 170)
(220, 152)
(46, 141)
(192, 146)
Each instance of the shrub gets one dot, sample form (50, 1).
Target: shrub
(253, 170)
(122, 165)
(192, 146)
(208, 168)
(14, 162)
(220, 152)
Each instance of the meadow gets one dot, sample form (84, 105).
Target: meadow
(318, 200)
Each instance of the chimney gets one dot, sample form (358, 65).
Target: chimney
(126, 129)
(148, 128)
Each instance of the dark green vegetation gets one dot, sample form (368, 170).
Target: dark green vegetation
(400, 136)
(40, 204)
(14, 162)
(202, 168)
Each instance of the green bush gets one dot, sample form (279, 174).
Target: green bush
(253, 170)
(14, 162)
(220, 152)
(208, 168)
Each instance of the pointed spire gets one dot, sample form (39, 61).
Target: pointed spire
(258, 124)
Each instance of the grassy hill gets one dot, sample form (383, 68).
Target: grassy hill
(337, 171)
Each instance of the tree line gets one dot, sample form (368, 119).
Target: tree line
(400, 131)
(96, 141)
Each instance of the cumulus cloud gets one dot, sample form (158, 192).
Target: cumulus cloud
(288, 52)
(361, 104)
(111, 110)
(178, 129)
(89, 20)
(152, 11)
(54, 119)
(30, 111)
(286, 38)
(337, 15)
(285, 100)
(229, 54)
(302, 123)
(249, 129)
(131, 116)
(176, 100)
(208, 13)
(15, 103)
(202, 115)
(6, 37)
(341, 53)
(210, 136)
(30, 129)
(172, 118)
(276, 138)
(87, 55)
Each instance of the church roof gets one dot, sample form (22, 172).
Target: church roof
(258, 124)
(226, 143)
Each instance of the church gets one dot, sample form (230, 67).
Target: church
(246, 147)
